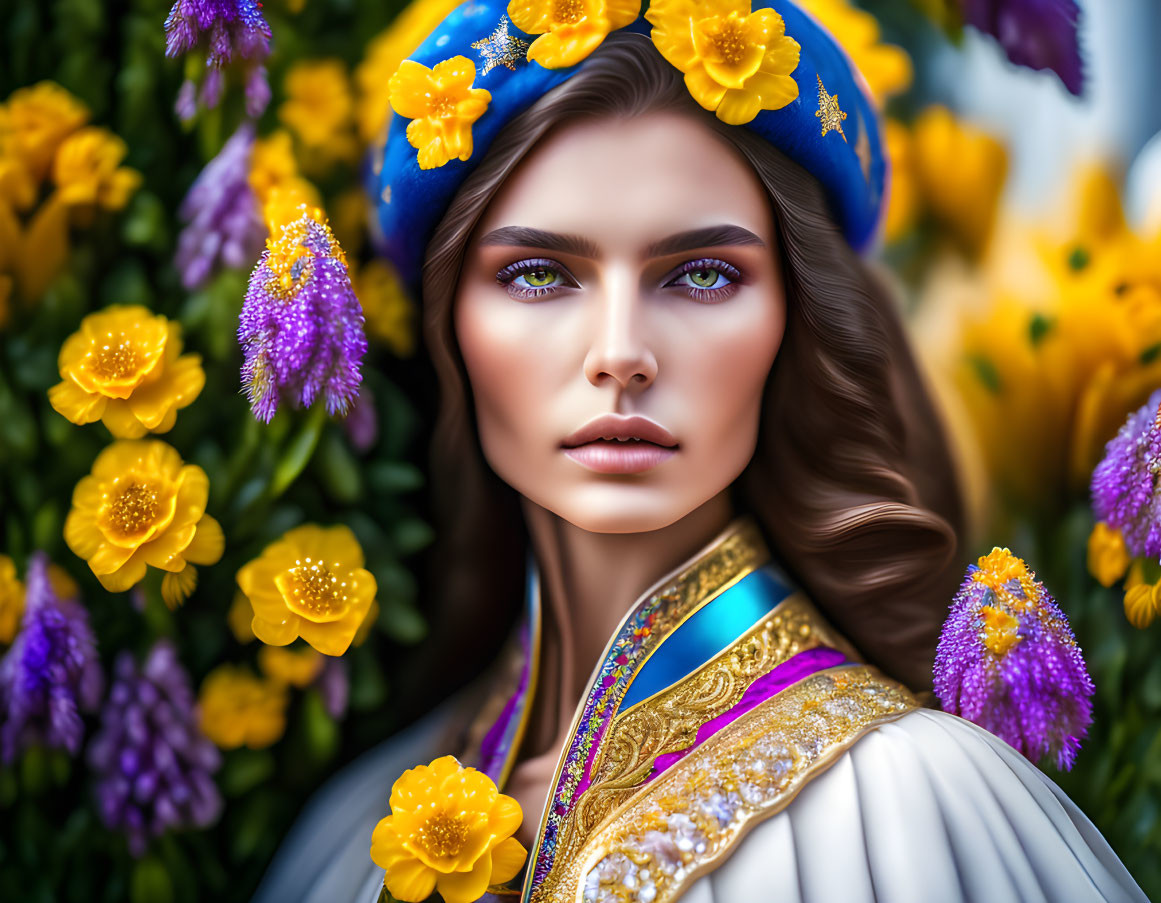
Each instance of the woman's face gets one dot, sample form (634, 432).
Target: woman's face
(618, 313)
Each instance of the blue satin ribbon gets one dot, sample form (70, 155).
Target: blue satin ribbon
(708, 631)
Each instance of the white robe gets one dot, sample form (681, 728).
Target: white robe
(927, 808)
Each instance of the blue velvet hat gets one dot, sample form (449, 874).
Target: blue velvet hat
(773, 70)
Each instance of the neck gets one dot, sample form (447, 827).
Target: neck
(588, 582)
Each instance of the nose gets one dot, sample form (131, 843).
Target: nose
(620, 350)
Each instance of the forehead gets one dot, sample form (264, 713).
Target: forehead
(624, 182)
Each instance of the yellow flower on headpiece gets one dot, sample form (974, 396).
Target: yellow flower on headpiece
(449, 830)
(124, 366)
(141, 505)
(311, 583)
(736, 62)
(569, 29)
(442, 105)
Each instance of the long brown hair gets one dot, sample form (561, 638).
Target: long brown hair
(851, 481)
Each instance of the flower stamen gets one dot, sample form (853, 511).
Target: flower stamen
(443, 835)
(134, 509)
(315, 591)
(116, 360)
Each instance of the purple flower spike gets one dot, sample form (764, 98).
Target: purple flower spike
(1124, 484)
(301, 327)
(50, 674)
(153, 763)
(224, 225)
(1039, 34)
(1008, 661)
(227, 32)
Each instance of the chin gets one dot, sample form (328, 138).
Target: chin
(620, 508)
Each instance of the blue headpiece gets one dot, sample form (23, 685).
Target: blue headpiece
(772, 69)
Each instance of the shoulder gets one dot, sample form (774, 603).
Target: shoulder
(926, 807)
(325, 857)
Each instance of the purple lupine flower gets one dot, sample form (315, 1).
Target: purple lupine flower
(51, 673)
(153, 763)
(1039, 34)
(227, 32)
(223, 223)
(1124, 484)
(301, 326)
(1008, 661)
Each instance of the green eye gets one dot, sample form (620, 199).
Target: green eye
(704, 278)
(540, 277)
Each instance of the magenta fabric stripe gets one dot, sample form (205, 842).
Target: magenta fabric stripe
(770, 684)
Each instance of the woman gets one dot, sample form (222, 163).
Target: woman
(678, 411)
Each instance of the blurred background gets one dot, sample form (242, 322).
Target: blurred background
(151, 749)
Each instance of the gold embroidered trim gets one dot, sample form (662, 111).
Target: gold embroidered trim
(682, 824)
(669, 721)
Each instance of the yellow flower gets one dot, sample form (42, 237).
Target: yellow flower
(961, 172)
(238, 618)
(1142, 599)
(442, 105)
(272, 163)
(124, 366)
(449, 830)
(736, 62)
(141, 505)
(569, 29)
(17, 189)
(903, 202)
(319, 109)
(310, 583)
(885, 67)
(386, 51)
(1108, 557)
(287, 202)
(388, 311)
(177, 586)
(11, 600)
(293, 667)
(238, 709)
(35, 120)
(88, 173)
(368, 622)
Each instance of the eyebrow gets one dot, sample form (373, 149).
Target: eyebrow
(711, 236)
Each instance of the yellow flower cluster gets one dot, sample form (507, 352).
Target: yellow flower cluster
(141, 506)
(736, 62)
(1108, 560)
(274, 178)
(311, 583)
(124, 366)
(450, 830)
(885, 68)
(948, 170)
(569, 29)
(43, 134)
(1041, 354)
(236, 708)
(319, 110)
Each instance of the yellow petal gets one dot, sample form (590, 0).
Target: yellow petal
(775, 91)
(738, 107)
(781, 58)
(165, 551)
(118, 418)
(466, 887)
(621, 12)
(410, 90)
(178, 586)
(44, 249)
(126, 577)
(275, 633)
(530, 16)
(208, 542)
(507, 860)
(505, 816)
(75, 404)
(109, 558)
(566, 47)
(704, 89)
(81, 533)
(1141, 605)
(455, 75)
(192, 494)
(411, 881)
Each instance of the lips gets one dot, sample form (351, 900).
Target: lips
(616, 444)
(620, 428)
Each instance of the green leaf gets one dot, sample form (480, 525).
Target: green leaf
(401, 622)
(322, 733)
(245, 769)
(410, 535)
(394, 477)
(338, 468)
(298, 453)
(150, 882)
